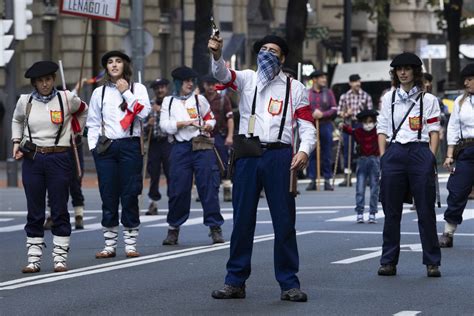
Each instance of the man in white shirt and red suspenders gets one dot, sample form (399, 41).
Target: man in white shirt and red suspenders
(271, 106)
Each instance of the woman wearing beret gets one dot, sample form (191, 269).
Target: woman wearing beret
(460, 134)
(409, 120)
(42, 125)
(116, 111)
(189, 119)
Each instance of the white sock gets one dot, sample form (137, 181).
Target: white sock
(450, 228)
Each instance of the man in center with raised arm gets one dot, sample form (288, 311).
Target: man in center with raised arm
(271, 107)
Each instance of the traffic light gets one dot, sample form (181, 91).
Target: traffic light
(5, 41)
(21, 17)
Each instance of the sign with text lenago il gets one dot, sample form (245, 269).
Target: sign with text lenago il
(94, 9)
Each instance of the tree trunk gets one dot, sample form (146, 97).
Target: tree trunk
(202, 32)
(383, 28)
(452, 13)
(296, 17)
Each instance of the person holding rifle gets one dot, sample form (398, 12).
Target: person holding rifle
(324, 107)
(352, 103)
(410, 120)
(460, 150)
(272, 106)
(42, 125)
(114, 136)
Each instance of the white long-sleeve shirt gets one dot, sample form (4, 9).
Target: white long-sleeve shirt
(269, 106)
(185, 110)
(462, 118)
(409, 130)
(112, 113)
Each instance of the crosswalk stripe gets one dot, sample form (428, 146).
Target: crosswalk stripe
(189, 222)
(98, 226)
(13, 228)
(6, 219)
(351, 218)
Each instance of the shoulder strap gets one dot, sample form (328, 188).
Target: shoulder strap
(102, 124)
(421, 115)
(58, 135)
(394, 135)
(27, 116)
(393, 108)
(285, 108)
(131, 125)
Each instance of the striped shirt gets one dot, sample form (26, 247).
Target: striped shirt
(355, 101)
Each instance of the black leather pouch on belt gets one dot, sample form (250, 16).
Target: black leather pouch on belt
(202, 143)
(103, 143)
(247, 146)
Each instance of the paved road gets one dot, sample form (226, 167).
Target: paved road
(339, 261)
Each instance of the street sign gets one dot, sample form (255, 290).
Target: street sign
(94, 9)
(5, 41)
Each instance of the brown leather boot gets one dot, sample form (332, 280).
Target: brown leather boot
(172, 237)
(446, 240)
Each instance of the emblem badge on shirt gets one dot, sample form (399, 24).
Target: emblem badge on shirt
(56, 117)
(192, 112)
(274, 106)
(415, 123)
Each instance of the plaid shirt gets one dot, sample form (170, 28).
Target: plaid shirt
(356, 101)
(324, 101)
(222, 109)
(157, 132)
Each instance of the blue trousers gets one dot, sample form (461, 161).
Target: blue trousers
(119, 171)
(368, 168)
(409, 167)
(76, 183)
(459, 186)
(325, 139)
(51, 173)
(158, 157)
(185, 163)
(222, 149)
(271, 172)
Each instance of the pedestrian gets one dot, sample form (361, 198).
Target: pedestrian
(159, 147)
(324, 108)
(42, 125)
(368, 163)
(264, 161)
(223, 132)
(188, 117)
(461, 151)
(116, 110)
(352, 103)
(409, 119)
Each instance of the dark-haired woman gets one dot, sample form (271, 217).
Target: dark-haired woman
(461, 180)
(41, 132)
(116, 110)
(409, 121)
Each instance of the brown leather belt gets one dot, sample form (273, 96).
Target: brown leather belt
(52, 149)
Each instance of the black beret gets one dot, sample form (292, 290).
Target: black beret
(428, 76)
(468, 71)
(209, 79)
(289, 72)
(366, 113)
(274, 40)
(406, 59)
(114, 53)
(354, 77)
(159, 82)
(317, 73)
(183, 73)
(41, 68)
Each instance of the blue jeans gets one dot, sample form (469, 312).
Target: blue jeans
(368, 168)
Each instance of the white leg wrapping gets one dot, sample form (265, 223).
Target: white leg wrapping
(130, 238)
(226, 184)
(35, 251)
(450, 228)
(111, 236)
(78, 210)
(60, 250)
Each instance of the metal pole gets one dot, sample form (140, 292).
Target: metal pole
(10, 88)
(347, 45)
(138, 38)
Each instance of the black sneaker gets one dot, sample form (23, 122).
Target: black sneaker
(294, 295)
(152, 209)
(328, 186)
(344, 183)
(387, 270)
(446, 240)
(229, 291)
(311, 186)
(79, 222)
(172, 238)
(432, 271)
(216, 235)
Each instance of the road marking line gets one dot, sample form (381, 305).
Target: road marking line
(367, 256)
(6, 219)
(18, 227)
(315, 212)
(351, 218)
(407, 313)
(98, 226)
(264, 222)
(190, 222)
(466, 215)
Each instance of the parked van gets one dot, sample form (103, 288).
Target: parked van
(375, 78)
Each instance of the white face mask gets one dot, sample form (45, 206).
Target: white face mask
(368, 126)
